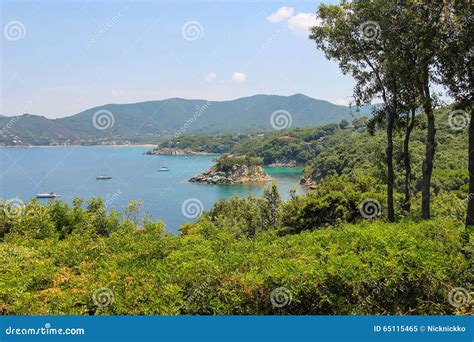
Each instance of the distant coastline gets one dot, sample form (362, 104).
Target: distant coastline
(118, 145)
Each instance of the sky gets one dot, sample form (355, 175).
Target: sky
(59, 58)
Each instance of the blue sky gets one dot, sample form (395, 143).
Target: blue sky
(73, 55)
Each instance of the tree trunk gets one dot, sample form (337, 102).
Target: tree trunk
(390, 172)
(428, 164)
(407, 160)
(470, 201)
(430, 146)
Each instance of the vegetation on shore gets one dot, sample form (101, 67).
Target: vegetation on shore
(221, 143)
(231, 169)
(238, 258)
(228, 162)
(298, 144)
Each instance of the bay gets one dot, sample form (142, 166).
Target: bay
(72, 171)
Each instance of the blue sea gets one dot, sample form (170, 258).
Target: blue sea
(71, 172)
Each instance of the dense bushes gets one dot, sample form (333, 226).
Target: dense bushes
(299, 145)
(56, 259)
(221, 143)
(227, 162)
(248, 216)
(336, 200)
(368, 268)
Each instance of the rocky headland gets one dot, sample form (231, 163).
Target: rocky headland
(178, 152)
(240, 170)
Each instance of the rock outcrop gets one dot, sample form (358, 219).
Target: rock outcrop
(283, 164)
(177, 152)
(239, 174)
(308, 183)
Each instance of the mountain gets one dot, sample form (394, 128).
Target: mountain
(153, 121)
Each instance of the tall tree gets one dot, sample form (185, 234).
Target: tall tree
(422, 41)
(363, 38)
(409, 126)
(455, 66)
(410, 103)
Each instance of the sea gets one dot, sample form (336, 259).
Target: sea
(168, 196)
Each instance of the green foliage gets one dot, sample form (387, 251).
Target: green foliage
(299, 145)
(214, 268)
(343, 124)
(335, 201)
(248, 216)
(347, 153)
(227, 162)
(221, 143)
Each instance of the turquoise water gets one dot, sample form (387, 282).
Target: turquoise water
(72, 171)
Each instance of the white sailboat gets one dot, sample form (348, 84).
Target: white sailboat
(103, 176)
(163, 168)
(47, 194)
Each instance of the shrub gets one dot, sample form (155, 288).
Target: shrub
(226, 163)
(220, 266)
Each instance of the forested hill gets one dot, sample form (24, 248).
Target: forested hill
(342, 148)
(153, 121)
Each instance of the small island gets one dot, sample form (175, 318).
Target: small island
(231, 169)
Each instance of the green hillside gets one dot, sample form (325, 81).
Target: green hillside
(334, 149)
(298, 144)
(153, 121)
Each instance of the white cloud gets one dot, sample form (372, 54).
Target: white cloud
(117, 92)
(343, 101)
(302, 22)
(238, 76)
(210, 77)
(280, 15)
